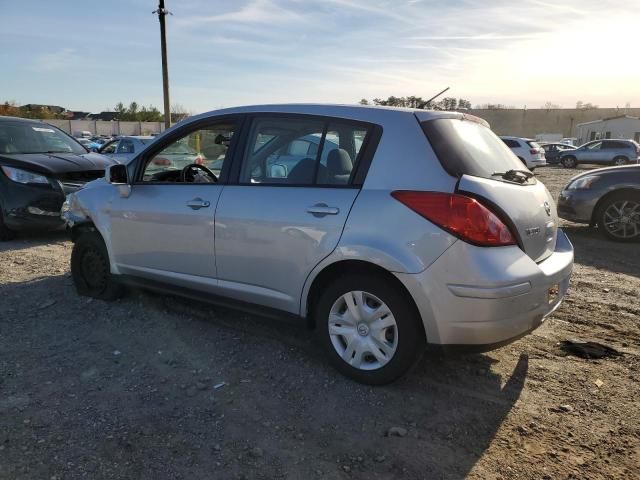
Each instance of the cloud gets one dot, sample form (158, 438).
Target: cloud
(253, 12)
(64, 59)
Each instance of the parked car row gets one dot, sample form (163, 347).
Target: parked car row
(315, 218)
(607, 152)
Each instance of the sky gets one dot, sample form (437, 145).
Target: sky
(88, 55)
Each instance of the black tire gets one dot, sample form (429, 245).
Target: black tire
(604, 218)
(90, 268)
(409, 329)
(569, 162)
(620, 161)
(5, 232)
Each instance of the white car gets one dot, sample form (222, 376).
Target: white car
(527, 150)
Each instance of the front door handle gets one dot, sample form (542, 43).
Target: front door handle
(322, 209)
(198, 203)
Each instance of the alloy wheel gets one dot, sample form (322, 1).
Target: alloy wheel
(621, 219)
(363, 330)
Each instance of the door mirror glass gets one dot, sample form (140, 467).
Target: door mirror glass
(117, 174)
(278, 171)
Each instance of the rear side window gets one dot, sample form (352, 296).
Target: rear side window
(465, 147)
(301, 151)
(510, 143)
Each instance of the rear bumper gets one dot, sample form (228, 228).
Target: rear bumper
(486, 297)
(538, 162)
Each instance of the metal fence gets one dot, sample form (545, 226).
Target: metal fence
(99, 127)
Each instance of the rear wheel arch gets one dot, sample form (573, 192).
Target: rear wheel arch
(350, 267)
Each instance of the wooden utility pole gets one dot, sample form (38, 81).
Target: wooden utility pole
(163, 12)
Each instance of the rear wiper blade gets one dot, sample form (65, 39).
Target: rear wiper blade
(514, 175)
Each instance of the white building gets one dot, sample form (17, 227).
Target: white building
(622, 126)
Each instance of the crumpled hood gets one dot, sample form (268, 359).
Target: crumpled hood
(56, 163)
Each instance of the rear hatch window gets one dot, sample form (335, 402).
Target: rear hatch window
(465, 147)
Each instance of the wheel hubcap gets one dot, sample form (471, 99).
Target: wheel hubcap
(363, 330)
(622, 219)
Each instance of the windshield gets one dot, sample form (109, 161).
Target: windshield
(145, 141)
(27, 137)
(466, 147)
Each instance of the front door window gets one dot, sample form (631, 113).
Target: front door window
(194, 158)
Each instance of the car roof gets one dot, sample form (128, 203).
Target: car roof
(356, 112)
(365, 113)
(507, 137)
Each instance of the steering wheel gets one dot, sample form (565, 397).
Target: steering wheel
(188, 170)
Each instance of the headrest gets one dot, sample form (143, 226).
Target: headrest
(339, 162)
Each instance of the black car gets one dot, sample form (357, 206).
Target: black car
(552, 151)
(39, 165)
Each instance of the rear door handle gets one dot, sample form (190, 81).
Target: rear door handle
(198, 203)
(322, 209)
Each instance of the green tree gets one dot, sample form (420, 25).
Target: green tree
(447, 103)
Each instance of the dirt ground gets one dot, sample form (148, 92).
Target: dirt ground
(128, 389)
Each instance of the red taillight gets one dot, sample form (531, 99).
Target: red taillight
(462, 216)
(534, 151)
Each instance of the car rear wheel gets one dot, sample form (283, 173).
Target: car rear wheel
(569, 162)
(620, 161)
(369, 329)
(90, 268)
(619, 217)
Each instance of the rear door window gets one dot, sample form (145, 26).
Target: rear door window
(465, 147)
(302, 151)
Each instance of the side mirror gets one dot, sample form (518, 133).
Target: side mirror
(277, 171)
(117, 174)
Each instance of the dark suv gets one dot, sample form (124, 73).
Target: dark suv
(608, 152)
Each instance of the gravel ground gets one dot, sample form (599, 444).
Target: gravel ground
(134, 388)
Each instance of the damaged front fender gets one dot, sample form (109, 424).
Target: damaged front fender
(72, 212)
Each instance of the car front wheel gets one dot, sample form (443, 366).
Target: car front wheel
(569, 162)
(5, 233)
(369, 329)
(619, 217)
(90, 268)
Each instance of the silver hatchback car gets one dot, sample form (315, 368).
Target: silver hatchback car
(385, 229)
